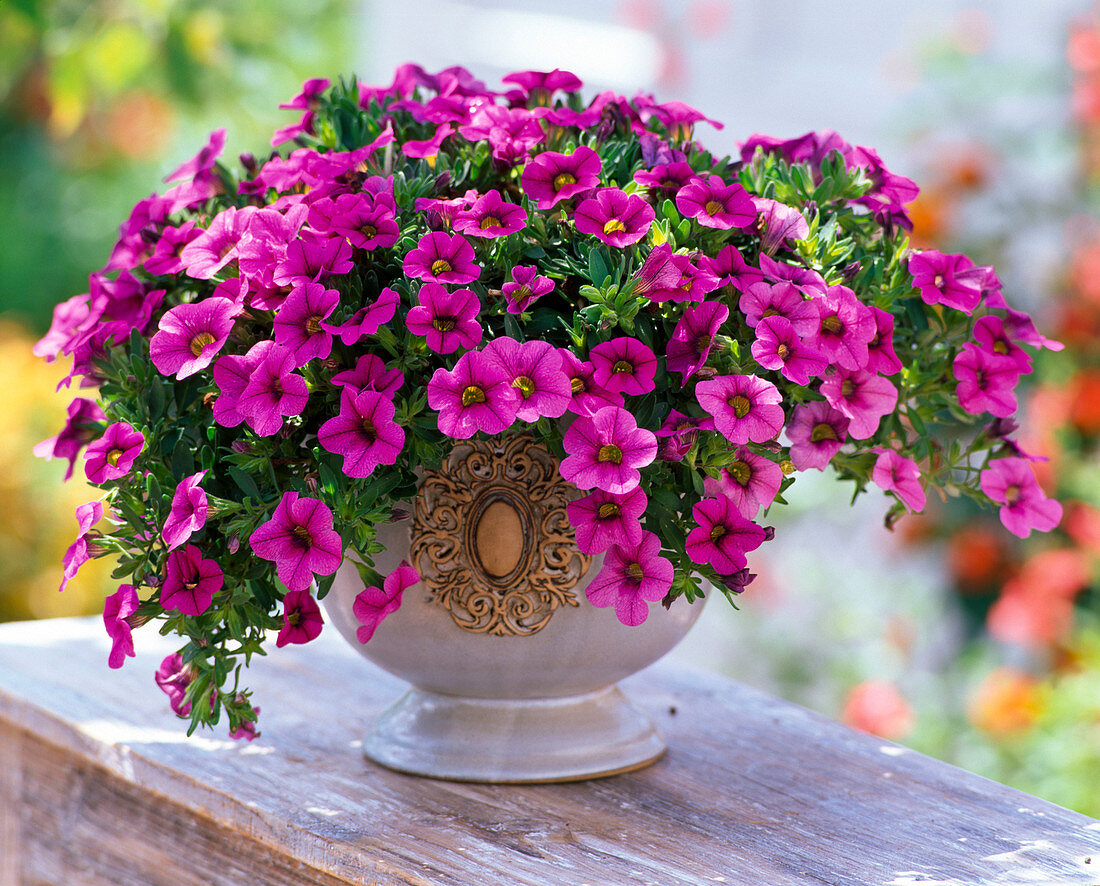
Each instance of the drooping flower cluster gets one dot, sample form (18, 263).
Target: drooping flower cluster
(434, 260)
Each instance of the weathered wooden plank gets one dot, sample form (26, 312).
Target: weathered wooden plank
(11, 792)
(753, 790)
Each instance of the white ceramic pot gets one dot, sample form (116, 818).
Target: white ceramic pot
(513, 670)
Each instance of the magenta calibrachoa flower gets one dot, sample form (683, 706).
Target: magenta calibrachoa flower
(112, 455)
(777, 346)
(189, 510)
(273, 390)
(190, 336)
(817, 431)
(950, 280)
(525, 288)
(87, 515)
(1011, 483)
(534, 369)
(490, 216)
(750, 482)
(632, 577)
(895, 473)
(722, 536)
(302, 619)
(83, 417)
(475, 396)
(364, 432)
(442, 258)
(987, 382)
(446, 319)
(617, 218)
(368, 320)
(602, 519)
(862, 396)
(190, 581)
(116, 609)
(588, 396)
(715, 204)
(549, 177)
(370, 373)
(298, 323)
(606, 451)
(693, 337)
(623, 365)
(374, 604)
(173, 677)
(299, 538)
(744, 407)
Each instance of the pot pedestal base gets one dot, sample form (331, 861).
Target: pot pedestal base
(514, 741)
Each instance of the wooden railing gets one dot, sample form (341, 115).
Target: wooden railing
(98, 784)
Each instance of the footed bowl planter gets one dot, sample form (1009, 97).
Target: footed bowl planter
(513, 671)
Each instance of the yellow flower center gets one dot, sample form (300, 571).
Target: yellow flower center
(823, 431)
(717, 532)
(301, 537)
(369, 231)
(577, 385)
(472, 394)
(609, 509)
(313, 325)
(562, 179)
(443, 324)
(113, 456)
(740, 471)
(526, 385)
(832, 325)
(783, 352)
(200, 341)
(491, 221)
(441, 266)
(635, 571)
(847, 388)
(367, 430)
(1012, 494)
(610, 453)
(623, 366)
(702, 344)
(713, 207)
(1000, 347)
(614, 226)
(741, 405)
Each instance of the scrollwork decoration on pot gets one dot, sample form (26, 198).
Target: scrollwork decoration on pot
(514, 358)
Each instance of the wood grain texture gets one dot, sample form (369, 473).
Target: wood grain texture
(752, 791)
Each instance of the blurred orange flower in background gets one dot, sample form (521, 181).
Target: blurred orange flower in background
(877, 707)
(1006, 702)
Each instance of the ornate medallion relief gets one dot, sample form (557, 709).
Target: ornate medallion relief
(491, 537)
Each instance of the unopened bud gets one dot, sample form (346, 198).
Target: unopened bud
(787, 467)
(234, 543)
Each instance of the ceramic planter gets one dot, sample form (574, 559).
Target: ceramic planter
(513, 672)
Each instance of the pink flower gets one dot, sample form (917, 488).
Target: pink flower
(302, 619)
(817, 431)
(777, 346)
(877, 707)
(693, 337)
(188, 511)
(420, 148)
(116, 609)
(374, 604)
(617, 218)
(190, 581)
(844, 329)
(990, 334)
(780, 223)
(1011, 482)
(549, 177)
(951, 280)
(447, 320)
(203, 257)
(166, 254)
(863, 397)
(632, 576)
(588, 397)
(364, 222)
(298, 324)
(730, 267)
(744, 407)
(87, 515)
(895, 473)
(750, 482)
(624, 365)
(81, 425)
(173, 677)
(602, 519)
(272, 391)
(783, 299)
(442, 258)
(534, 370)
(364, 432)
(714, 204)
(986, 382)
(525, 288)
(606, 451)
(666, 176)
(370, 373)
(366, 321)
(299, 538)
(475, 396)
(190, 336)
(232, 373)
(489, 217)
(112, 455)
(880, 349)
(722, 536)
(311, 258)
